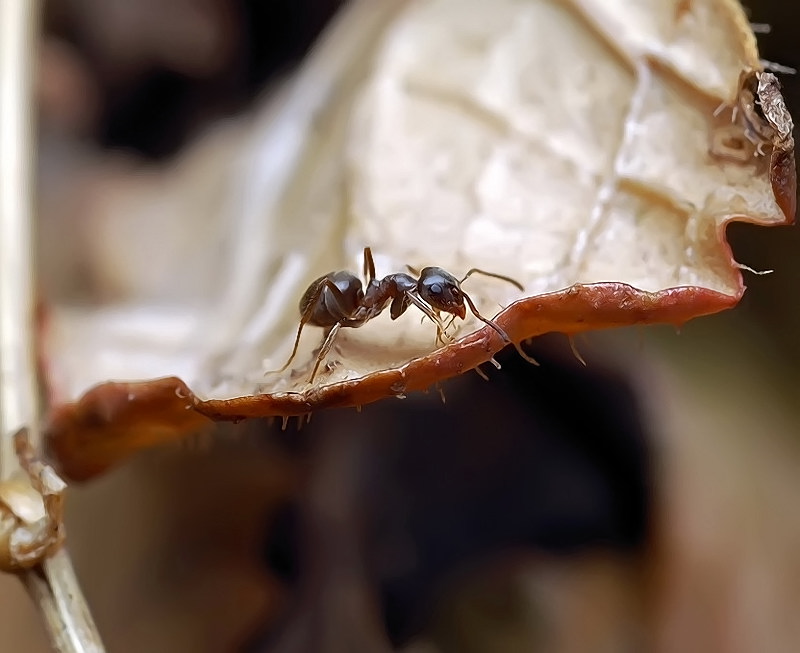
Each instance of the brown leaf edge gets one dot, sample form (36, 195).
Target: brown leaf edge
(113, 421)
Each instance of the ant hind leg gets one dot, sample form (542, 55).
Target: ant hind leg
(304, 319)
(325, 349)
(310, 304)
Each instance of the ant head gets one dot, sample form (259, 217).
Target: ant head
(442, 291)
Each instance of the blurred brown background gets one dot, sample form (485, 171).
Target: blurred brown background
(659, 516)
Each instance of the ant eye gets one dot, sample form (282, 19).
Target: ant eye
(435, 289)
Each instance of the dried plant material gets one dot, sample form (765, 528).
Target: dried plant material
(592, 151)
(31, 512)
(761, 115)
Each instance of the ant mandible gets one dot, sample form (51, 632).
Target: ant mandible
(338, 299)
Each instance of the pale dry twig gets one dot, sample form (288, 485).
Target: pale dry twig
(51, 582)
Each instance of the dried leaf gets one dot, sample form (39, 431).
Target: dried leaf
(592, 150)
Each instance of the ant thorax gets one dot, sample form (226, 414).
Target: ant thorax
(760, 121)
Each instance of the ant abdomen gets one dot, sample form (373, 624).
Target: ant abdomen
(329, 309)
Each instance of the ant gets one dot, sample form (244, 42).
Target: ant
(338, 299)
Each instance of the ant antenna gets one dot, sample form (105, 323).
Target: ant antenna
(502, 277)
(489, 322)
(499, 331)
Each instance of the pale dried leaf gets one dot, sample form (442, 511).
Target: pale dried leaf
(581, 142)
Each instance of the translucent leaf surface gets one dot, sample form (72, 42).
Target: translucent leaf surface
(591, 150)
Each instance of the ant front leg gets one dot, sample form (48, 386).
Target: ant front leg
(442, 337)
(432, 315)
(441, 328)
(450, 322)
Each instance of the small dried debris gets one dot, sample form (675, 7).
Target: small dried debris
(31, 511)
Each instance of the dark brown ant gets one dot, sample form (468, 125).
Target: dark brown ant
(338, 300)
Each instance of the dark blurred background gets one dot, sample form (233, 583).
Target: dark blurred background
(551, 509)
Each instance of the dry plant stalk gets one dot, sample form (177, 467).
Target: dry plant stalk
(31, 494)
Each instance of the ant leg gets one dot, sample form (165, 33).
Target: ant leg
(499, 331)
(441, 335)
(450, 322)
(409, 297)
(305, 318)
(431, 314)
(444, 333)
(369, 265)
(326, 347)
(441, 332)
(502, 277)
